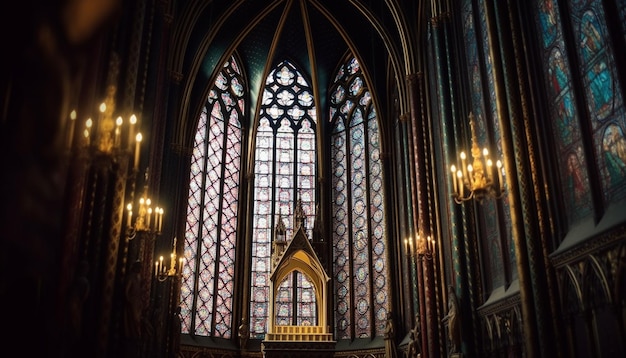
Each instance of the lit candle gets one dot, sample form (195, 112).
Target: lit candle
(131, 132)
(161, 264)
(459, 175)
(118, 124)
(453, 170)
(130, 213)
(160, 218)
(418, 243)
(88, 125)
(149, 217)
(462, 155)
(70, 138)
(470, 175)
(137, 144)
(487, 163)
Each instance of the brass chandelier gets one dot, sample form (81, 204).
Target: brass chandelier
(477, 178)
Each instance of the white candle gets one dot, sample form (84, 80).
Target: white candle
(459, 175)
(149, 217)
(160, 219)
(131, 132)
(137, 147)
(129, 207)
(70, 138)
(156, 268)
(453, 170)
(486, 167)
(463, 167)
(118, 131)
(499, 166)
(88, 125)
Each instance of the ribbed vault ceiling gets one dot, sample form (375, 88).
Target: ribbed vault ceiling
(315, 34)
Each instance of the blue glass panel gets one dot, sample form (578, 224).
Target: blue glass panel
(564, 116)
(604, 102)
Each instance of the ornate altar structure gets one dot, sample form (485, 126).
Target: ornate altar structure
(289, 256)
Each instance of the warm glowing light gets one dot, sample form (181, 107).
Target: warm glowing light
(477, 175)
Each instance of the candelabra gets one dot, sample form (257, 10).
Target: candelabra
(422, 247)
(106, 131)
(162, 272)
(148, 219)
(481, 178)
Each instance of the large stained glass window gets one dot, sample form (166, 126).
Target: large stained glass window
(284, 171)
(210, 232)
(568, 139)
(358, 230)
(603, 98)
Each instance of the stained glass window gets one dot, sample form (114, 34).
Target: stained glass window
(358, 229)
(284, 171)
(210, 230)
(296, 304)
(564, 113)
(604, 101)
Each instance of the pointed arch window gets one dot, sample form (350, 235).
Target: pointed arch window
(358, 230)
(211, 226)
(284, 171)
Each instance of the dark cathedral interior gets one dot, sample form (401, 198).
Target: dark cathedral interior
(312, 178)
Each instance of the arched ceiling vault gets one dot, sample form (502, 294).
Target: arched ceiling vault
(316, 35)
